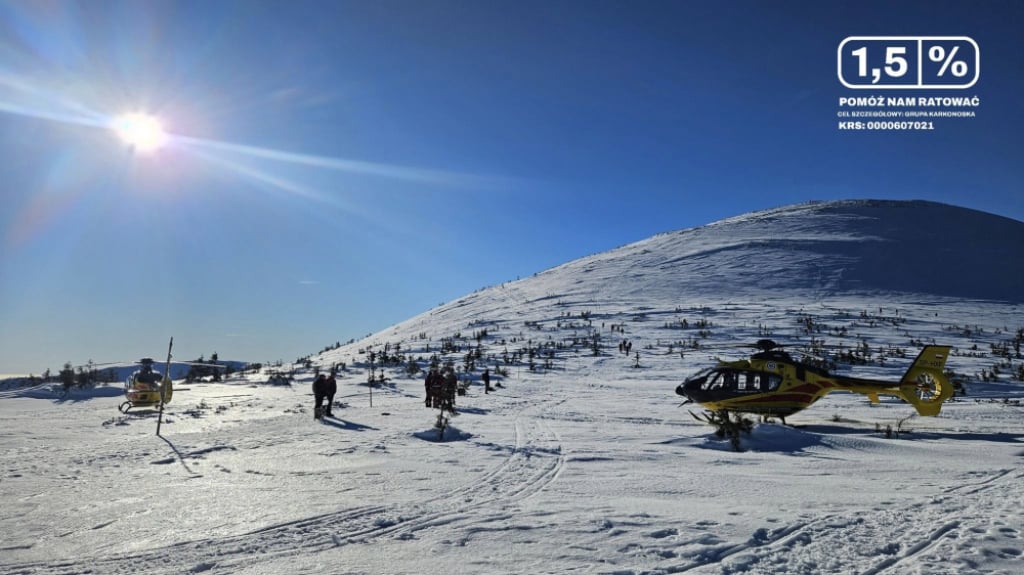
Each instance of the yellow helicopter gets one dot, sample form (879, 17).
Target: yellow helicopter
(772, 383)
(147, 387)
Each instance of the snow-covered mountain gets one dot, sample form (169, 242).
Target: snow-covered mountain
(814, 252)
(581, 461)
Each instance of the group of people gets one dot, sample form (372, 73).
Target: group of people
(324, 387)
(441, 387)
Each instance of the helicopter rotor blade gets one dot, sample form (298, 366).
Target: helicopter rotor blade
(200, 364)
(106, 364)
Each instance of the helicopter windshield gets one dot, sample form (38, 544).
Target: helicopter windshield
(148, 376)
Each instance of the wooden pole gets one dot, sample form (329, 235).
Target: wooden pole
(167, 376)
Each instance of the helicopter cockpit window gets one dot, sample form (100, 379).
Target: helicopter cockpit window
(714, 381)
(150, 377)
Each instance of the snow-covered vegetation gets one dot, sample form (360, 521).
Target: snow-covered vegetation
(582, 459)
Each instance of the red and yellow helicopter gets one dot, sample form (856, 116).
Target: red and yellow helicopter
(772, 383)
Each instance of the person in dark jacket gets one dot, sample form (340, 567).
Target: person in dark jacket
(487, 380)
(428, 383)
(319, 391)
(436, 384)
(437, 389)
(450, 383)
(330, 388)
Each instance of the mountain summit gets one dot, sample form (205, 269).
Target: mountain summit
(819, 249)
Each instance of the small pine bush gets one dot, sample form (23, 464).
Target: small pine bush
(727, 425)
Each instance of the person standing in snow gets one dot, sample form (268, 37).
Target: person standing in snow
(451, 383)
(428, 386)
(487, 380)
(319, 391)
(330, 388)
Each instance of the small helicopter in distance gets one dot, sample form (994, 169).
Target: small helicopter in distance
(147, 387)
(772, 383)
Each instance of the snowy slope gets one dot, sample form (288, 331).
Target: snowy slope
(809, 253)
(585, 463)
(818, 249)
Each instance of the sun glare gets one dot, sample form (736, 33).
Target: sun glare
(141, 131)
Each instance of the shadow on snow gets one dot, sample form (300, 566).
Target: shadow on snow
(346, 425)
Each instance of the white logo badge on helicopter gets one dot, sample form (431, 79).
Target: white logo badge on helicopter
(771, 365)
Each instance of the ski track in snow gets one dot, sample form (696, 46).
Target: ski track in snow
(920, 538)
(533, 463)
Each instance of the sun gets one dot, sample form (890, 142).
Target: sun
(142, 132)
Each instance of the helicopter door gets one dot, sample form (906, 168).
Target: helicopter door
(751, 382)
(730, 380)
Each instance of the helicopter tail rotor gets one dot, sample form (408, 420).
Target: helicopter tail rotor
(925, 386)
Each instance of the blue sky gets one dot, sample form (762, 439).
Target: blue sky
(336, 167)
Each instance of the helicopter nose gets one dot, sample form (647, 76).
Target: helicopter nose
(691, 386)
(688, 387)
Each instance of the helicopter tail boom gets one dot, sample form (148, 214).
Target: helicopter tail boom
(924, 385)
